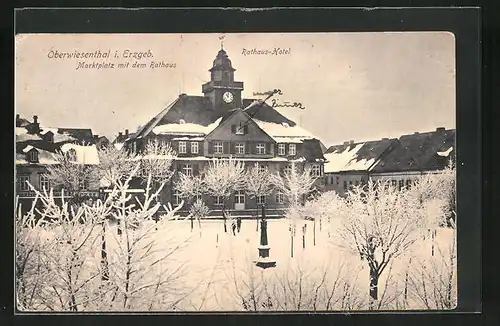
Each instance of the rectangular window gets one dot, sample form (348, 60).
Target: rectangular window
(23, 182)
(401, 184)
(239, 197)
(187, 169)
(394, 183)
(33, 156)
(194, 147)
(262, 168)
(292, 149)
(44, 182)
(281, 149)
(316, 170)
(240, 130)
(218, 200)
(182, 147)
(83, 183)
(261, 200)
(239, 148)
(177, 198)
(408, 183)
(356, 183)
(261, 148)
(345, 185)
(338, 180)
(218, 148)
(280, 198)
(288, 169)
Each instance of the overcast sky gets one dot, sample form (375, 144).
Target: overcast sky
(355, 86)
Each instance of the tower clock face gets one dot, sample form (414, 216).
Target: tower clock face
(227, 97)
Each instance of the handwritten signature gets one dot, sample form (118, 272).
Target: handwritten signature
(275, 104)
(275, 91)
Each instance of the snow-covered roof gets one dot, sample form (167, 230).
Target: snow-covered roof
(84, 154)
(44, 157)
(189, 138)
(26, 136)
(445, 153)
(44, 130)
(21, 131)
(186, 128)
(347, 160)
(58, 138)
(282, 132)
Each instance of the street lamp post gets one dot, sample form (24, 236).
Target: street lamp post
(264, 260)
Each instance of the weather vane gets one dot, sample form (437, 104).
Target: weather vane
(221, 38)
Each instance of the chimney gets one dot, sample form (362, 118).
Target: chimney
(351, 142)
(416, 133)
(385, 138)
(36, 128)
(126, 132)
(441, 129)
(120, 136)
(346, 143)
(96, 137)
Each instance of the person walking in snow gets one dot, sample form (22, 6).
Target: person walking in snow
(233, 226)
(238, 223)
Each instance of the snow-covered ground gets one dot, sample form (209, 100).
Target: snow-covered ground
(220, 267)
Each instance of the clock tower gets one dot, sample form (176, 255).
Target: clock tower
(222, 90)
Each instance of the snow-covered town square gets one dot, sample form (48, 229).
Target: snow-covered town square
(134, 195)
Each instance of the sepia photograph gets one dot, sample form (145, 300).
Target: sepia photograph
(235, 172)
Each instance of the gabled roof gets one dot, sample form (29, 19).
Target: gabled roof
(198, 110)
(311, 150)
(359, 156)
(79, 134)
(417, 152)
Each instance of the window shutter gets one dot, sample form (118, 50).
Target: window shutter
(225, 147)
(210, 148)
(196, 169)
(268, 148)
(245, 129)
(233, 129)
(233, 149)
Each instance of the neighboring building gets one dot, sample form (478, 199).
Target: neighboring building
(101, 141)
(35, 149)
(349, 164)
(221, 123)
(401, 161)
(414, 155)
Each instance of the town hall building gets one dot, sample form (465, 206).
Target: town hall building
(221, 123)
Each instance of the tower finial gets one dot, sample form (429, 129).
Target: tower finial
(221, 38)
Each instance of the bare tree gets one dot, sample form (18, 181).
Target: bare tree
(379, 223)
(191, 188)
(221, 178)
(114, 165)
(258, 183)
(156, 160)
(295, 185)
(432, 282)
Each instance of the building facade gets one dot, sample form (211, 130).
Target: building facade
(400, 161)
(221, 123)
(36, 147)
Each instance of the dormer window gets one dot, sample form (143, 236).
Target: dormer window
(71, 154)
(33, 156)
